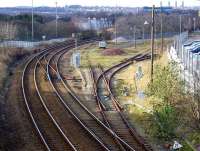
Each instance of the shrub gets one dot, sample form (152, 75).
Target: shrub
(166, 84)
(164, 122)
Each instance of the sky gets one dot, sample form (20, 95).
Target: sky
(132, 3)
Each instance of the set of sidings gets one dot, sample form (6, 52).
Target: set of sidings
(61, 121)
(112, 110)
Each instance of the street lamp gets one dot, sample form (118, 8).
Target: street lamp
(145, 23)
(94, 23)
(194, 19)
(161, 28)
(56, 19)
(116, 24)
(89, 21)
(134, 35)
(179, 42)
(32, 22)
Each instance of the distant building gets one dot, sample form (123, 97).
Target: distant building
(158, 9)
(92, 23)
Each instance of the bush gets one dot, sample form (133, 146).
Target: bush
(167, 91)
(166, 85)
(164, 122)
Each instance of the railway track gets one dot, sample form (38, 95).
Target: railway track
(63, 113)
(68, 103)
(102, 132)
(122, 144)
(61, 120)
(45, 113)
(44, 124)
(113, 110)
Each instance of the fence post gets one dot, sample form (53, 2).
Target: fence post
(192, 63)
(184, 60)
(188, 60)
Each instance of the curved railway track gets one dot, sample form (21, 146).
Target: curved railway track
(47, 116)
(103, 133)
(51, 132)
(48, 131)
(65, 98)
(61, 120)
(113, 110)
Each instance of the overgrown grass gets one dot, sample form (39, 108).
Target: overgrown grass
(94, 54)
(187, 146)
(137, 108)
(177, 98)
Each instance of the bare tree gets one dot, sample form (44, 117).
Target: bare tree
(8, 30)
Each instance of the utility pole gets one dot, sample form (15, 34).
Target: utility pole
(32, 22)
(116, 24)
(180, 24)
(90, 25)
(76, 44)
(189, 24)
(169, 4)
(179, 42)
(176, 4)
(134, 29)
(182, 4)
(143, 33)
(161, 28)
(152, 41)
(145, 23)
(56, 19)
(194, 19)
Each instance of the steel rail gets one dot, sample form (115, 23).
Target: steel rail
(45, 106)
(99, 105)
(66, 106)
(128, 61)
(76, 98)
(115, 102)
(30, 60)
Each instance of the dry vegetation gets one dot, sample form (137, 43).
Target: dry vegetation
(95, 56)
(139, 110)
(140, 84)
(8, 56)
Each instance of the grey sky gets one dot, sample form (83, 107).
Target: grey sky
(133, 3)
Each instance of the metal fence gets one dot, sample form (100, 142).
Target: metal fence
(28, 44)
(189, 61)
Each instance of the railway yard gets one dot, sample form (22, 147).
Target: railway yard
(99, 76)
(56, 106)
(63, 109)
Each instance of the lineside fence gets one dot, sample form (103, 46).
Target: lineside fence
(188, 61)
(28, 44)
